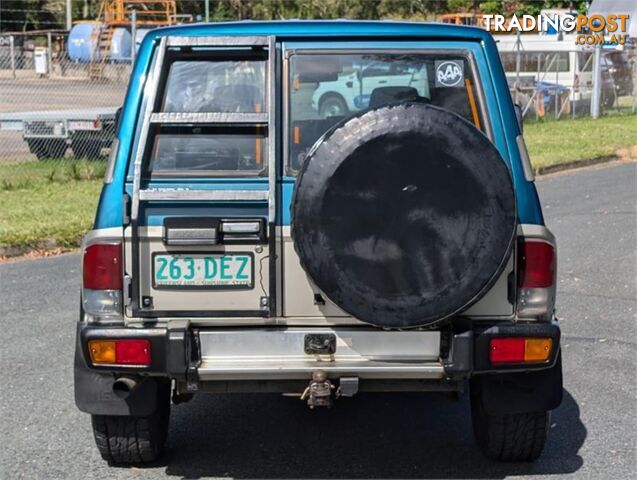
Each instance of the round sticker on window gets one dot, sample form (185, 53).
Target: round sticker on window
(449, 73)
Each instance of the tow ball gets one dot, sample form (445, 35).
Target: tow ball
(321, 391)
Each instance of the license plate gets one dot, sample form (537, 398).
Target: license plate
(203, 271)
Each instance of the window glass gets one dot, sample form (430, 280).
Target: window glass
(326, 88)
(211, 83)
(209, 150)
(228, 86)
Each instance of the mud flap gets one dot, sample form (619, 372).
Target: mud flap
(526, 392)
(94, 391)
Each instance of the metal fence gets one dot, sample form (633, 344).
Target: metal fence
(52, 112)
(560, 83)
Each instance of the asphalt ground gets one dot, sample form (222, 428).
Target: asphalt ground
(593, 214)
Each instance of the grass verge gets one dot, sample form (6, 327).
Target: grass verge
(566, 141)
(45, 204)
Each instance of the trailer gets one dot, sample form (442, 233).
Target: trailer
(50, 133)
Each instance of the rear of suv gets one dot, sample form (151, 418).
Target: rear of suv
(247, 240)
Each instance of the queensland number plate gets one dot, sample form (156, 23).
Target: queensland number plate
(202, 271)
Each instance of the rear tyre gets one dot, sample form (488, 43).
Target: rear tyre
(86, 149)
(518, 437)
(45, 149)
(130, 440)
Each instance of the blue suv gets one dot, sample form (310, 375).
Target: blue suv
(250, 239)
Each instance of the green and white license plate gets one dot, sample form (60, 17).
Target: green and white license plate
(203, 270)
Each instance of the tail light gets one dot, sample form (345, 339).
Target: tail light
(126, 351)
(102, 279)
(536, 278)
(519, 350)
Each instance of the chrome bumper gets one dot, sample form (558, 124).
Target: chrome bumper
(258, 354)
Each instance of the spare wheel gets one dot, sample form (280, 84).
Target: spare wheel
(404, 215)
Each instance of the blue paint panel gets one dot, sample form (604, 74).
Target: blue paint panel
(376, 34)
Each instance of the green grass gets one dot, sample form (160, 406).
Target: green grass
(554, 142)
(28, 175)
(51, 212)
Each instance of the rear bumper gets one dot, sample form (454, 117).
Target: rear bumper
(274, 360)
(199, 355)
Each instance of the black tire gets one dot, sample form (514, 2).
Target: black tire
(404, 215)
(86, 149)
(518, 437)
(130, 440)
(45, 149)
(332, 105)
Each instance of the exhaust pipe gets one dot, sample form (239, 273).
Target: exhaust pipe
(123, 387)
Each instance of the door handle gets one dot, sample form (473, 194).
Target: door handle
(191, 231)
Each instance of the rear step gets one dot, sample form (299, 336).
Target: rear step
(231, 354)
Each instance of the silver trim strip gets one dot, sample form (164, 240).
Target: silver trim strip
(209, 117)
(227, 41)
(525, 158)
(177, 194)
(303, 370)
(271, 128)
(150, 92)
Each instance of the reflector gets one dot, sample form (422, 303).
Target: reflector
(506, 350)
(519, 350)
(102, 351)
(119, 352)
(132, 352)
(537, 349)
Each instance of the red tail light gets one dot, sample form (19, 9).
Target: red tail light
(132, 352)
(536, 264)
(103, 267)
(506, 350)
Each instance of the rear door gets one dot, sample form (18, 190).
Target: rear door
(200, 239)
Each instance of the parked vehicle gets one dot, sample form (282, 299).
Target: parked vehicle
(245, 241)
(352, 91)
(50, 133)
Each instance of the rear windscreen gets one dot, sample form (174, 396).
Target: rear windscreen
(228, 86)
(326, 88)
(211, 82)
(209, 150)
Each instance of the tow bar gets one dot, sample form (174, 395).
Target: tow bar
(319, 392)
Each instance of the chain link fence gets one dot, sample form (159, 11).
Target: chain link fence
(558, 83)
(57, 116)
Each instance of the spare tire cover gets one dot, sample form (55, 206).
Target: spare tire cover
(404, 215)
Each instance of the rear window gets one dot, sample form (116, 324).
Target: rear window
(326, 88)
(209, 151)
(207, 82)
(227, 86)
